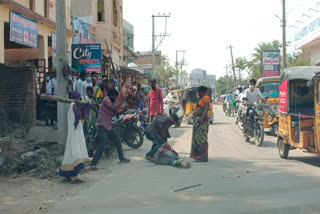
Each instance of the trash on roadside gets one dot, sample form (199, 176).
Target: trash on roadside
(189, 187)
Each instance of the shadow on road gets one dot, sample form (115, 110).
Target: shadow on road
(220, 123)
(313, 161)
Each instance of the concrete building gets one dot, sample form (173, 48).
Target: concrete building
(27, 33)
(144, 62)
(200, 77)
(106, 16)
(305, 23)
(128, 43)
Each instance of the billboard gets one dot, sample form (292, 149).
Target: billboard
(86, 57)
(23, 31)
(271, 63)
(85, 32)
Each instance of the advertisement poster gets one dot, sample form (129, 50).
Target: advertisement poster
(54, 41)
(283, 103)
(271, 63)
(23, 31)
(85, 32)
(86, 57)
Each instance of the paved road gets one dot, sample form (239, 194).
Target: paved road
(239, 178)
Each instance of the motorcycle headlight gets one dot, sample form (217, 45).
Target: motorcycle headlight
(251, 111)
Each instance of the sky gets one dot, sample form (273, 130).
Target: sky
(205, 28)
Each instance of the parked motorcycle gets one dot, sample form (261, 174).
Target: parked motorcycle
(253, 124)
(172, 107)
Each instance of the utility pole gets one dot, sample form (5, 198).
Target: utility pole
(177, 69)
(227, 78)
(284, 40)
(162, 36)
(233, 68)
(62, 80)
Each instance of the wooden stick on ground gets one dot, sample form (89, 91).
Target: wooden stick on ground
(59, 99)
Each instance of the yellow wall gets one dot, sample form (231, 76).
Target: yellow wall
(43, 30)
(4, 17)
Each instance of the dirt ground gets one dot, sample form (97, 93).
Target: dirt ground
(29, 195)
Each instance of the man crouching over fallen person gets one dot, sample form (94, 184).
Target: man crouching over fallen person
(161, 152)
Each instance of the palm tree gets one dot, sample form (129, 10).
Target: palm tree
(241, 64)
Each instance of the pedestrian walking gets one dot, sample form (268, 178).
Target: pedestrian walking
(199, 147)
(155, 101)
(76, 155)
(96, 89)
(109, 107)
(158, 133)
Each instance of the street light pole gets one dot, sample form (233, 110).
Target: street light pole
(284, 41)
(62, 81)
(153, 48)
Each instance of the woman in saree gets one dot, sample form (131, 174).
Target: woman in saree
(199, 146)
(75, 157)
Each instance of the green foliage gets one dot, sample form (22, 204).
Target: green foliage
(221, 84)
(166, 70)
(299, 59)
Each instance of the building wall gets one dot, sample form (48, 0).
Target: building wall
(17, 105)
(44, 30)
(315, 55)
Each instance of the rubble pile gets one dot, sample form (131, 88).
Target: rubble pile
(40, 160)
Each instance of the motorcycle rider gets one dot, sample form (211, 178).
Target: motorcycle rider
(109, 107)
(228, 99)
(252, 95)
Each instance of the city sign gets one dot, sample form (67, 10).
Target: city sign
(86, 57)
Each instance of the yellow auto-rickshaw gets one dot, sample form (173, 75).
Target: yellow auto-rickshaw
(269, 87)
(299, 109)
(190, 100)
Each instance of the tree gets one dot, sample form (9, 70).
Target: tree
(255, 65)
(165, 71)
(299, 59)
(241, 65)
(222, 83)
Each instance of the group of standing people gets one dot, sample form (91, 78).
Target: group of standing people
(76, 158)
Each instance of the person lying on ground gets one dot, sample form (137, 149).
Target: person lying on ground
(158, 132)
(167, 156)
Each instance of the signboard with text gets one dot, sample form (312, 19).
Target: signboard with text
(53, 41)
(86, 57)
(23, 31)
(271, 63)
(85, 32)
(283, 102)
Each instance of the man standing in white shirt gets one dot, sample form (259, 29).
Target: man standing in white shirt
(84, 86)
(80, 81)
(54, 84)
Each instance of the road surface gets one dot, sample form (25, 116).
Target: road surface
(239, 178)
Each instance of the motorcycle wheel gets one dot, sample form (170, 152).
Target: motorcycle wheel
(135, 138)
(275, 128)
(259, 135)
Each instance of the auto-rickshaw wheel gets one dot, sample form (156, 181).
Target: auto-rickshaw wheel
(283, 149)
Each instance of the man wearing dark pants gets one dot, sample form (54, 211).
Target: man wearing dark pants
(158, 133)
(105, 133)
